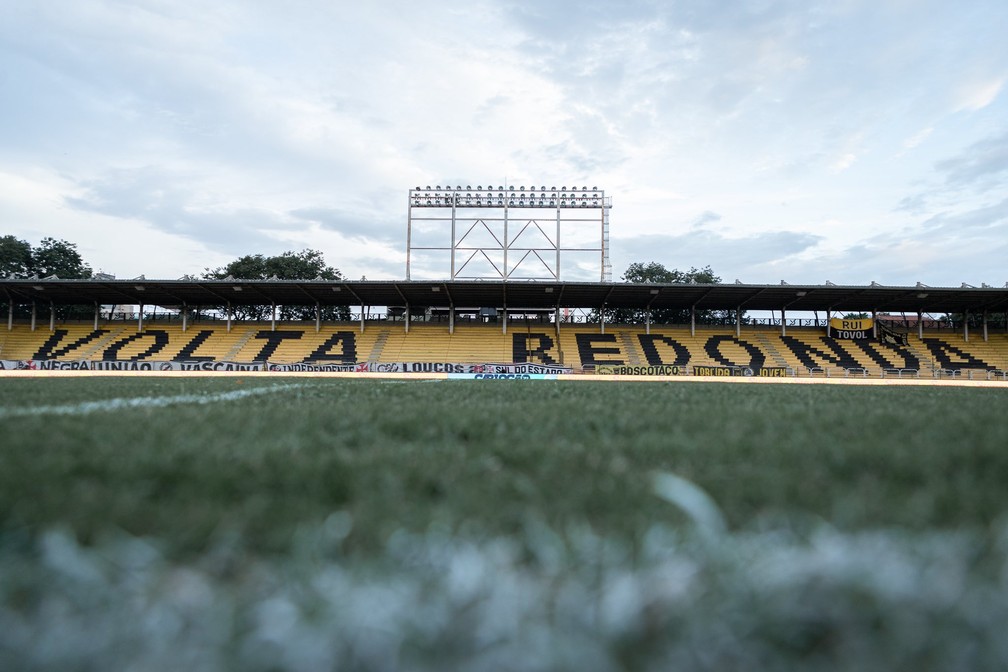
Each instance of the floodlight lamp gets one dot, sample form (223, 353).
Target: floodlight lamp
(237, 288)
(38, 288)
(139, 288)
(800, 293)
(922, 295)
(563, 188)
(428, 187)
(654, 291)
(435, 288)
(594, 188)
(523, 187)
(552, 188)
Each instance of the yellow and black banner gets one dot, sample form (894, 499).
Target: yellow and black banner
(745, 371)
(858, 328)
(621, 370)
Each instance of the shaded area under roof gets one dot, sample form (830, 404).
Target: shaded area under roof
(512, 295)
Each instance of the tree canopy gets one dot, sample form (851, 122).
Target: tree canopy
(657, 273)
(303, 265)
(52, 257)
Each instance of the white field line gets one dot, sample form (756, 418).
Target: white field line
(118, 404)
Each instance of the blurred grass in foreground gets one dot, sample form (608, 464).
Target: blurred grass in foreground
(318, 523)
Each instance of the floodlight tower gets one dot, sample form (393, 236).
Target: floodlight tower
(510, 232)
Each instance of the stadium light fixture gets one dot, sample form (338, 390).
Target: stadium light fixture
(800, 293)
(139, 288)
(38, 288)
(922, 295)
(237, 288)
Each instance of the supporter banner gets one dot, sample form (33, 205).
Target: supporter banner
(85, 365)
(502, 376)
(657, 370)
(176, 366)
(860, 328)
(447, 367)
(887, 335)
(292, 368)
(761, 372)
(363, 367)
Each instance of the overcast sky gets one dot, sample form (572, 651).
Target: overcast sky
(802, 141)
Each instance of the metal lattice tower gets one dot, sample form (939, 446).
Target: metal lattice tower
(511, 232)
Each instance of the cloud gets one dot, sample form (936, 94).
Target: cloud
(976, 96)
(757, 258)
(980, 165)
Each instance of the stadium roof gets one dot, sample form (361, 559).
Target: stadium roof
(512, 294)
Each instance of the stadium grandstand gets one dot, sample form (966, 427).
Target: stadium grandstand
(541, 327)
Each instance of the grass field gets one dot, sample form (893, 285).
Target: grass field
(303, 523)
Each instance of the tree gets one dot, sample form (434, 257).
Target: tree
(303, 265)
(656, 273)
(15, 258)
(59, 258)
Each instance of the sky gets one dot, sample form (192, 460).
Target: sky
(799, 141)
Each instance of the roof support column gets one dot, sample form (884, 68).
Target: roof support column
(874, 324)
(602, 318)
(185, 316)
(52, 317)
(363, 309)
(738, 322)
(829, 327)
(504, 320)
(783, 322)
(407, 318)
(647, 322)
(451, 319)
(920, 325)
(985, 325)
(140, 319)
(966, 326)
(318, 317)
(692, 320)
(10, 314)
(229, 317)
(34, 312)
(96, 316)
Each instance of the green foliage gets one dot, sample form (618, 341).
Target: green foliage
(303, 265)
(52, 257)
(59, 258)
(656, 273)
(15, 258)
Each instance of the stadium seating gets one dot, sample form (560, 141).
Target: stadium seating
(803, 351)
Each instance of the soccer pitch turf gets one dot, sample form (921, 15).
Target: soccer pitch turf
(316, 523)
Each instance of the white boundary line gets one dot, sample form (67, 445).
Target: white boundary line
(122, 403)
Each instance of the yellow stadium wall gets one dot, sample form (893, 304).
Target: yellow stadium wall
(578, 346)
